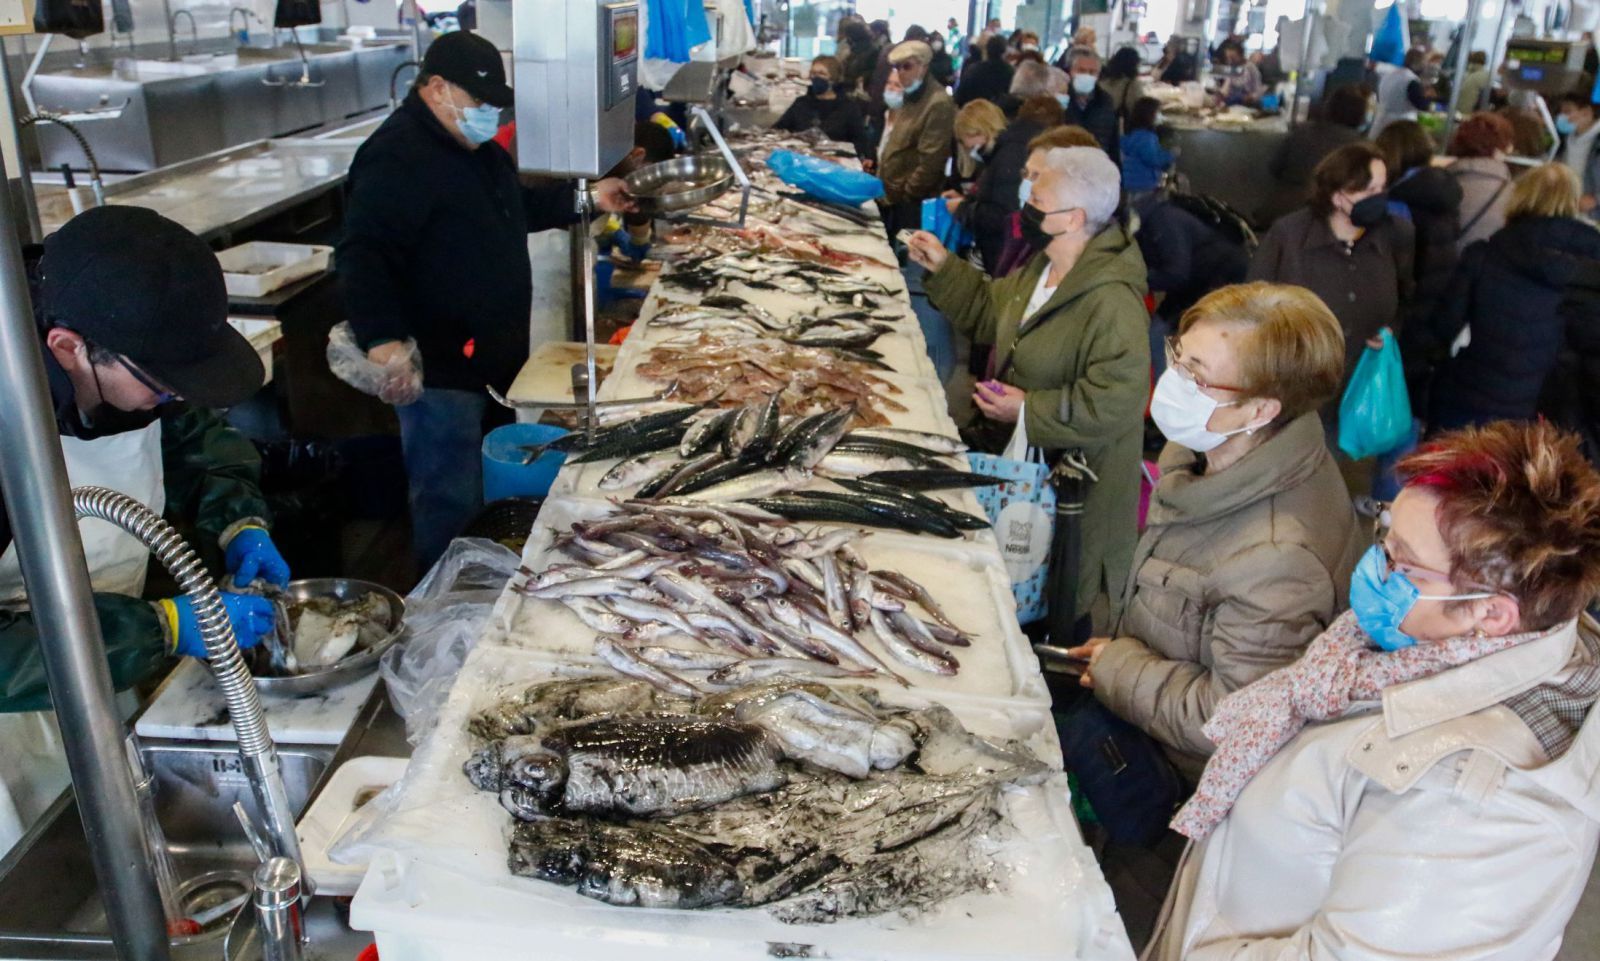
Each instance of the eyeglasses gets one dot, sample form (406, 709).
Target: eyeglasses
(1175, 361)
(1380, 537)
(905, 65)
(164, 395)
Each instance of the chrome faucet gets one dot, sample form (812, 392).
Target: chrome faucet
(394, 97)
(95, 183)
(245, 14)
(172, 33)
(257, 752)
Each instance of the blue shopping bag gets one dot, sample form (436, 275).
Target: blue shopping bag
(1375, 412)
(825, 179)
(1023, 512)
(939, 221)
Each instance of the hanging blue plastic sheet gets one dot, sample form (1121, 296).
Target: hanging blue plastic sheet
(939, 221)
(825, 179)
(1392, 39)
(673, 28)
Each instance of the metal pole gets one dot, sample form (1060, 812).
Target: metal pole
(1463, 50)
(1497, 53)
(50, 550)
(30, 203)
(1308, 26)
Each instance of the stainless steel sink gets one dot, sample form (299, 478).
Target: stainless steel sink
(49, 905)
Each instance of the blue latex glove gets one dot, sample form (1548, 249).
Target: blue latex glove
(252, 617)
(251, 554)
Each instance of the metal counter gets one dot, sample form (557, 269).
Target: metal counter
(222, 193)
(175, 111)
(1229, 162)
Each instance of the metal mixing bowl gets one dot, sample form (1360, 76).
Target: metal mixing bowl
(709, 171)
(353, 665)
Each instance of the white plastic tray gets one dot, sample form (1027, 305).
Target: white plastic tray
(342, 802)
(258, 268)
(262, 335)
(438, 887)
(966, 578)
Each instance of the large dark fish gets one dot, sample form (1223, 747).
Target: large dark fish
(932, 480)
(628, 766)
(634, 865)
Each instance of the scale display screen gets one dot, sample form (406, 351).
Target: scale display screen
(1536, 55)
(624, 35)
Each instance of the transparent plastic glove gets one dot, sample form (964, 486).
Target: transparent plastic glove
(253, 618)
(397, 380)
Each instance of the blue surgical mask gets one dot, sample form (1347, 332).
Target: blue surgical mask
(1064, 99)
(479, 124)
(1564, 125)
(894, 99)
(1083, 84)
(1024, 191)
(1381, 603)
(914, 86)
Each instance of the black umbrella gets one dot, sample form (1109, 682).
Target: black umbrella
(1071, 479)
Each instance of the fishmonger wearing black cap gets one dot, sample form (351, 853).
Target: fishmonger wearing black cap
(435, 249)
(132, 312)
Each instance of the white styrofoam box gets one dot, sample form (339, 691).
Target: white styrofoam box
(262, 334)
(258, 268)
(340, 804)
(966, 578)
(438, 886)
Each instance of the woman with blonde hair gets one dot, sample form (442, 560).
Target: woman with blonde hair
(1250, 538)
(1497, 334)
(1421, 783)
(986, 210)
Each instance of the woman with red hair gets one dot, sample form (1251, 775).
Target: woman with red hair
(1419, 784)
(1480, 146)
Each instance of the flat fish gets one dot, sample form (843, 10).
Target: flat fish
(637, 766)
(635, 865)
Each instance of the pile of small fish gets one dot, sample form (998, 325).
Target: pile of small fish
(714, 272)
(678, 588)
(818, 803)
(808, 379)
(851, 329)
(765, 240)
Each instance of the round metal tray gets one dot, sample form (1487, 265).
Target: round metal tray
(708, 170)
(353, 665)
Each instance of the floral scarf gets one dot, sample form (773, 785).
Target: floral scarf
(1340, 668)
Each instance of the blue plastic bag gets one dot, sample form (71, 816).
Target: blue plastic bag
(825, 179)
(939, 221)
(1375, 413)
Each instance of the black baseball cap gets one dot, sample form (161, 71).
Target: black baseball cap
(135, 283)
(471, 63)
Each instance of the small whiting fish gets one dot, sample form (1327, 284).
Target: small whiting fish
(624, 660)
(828, 543)
(916, 633)
(638, 570)
(833, 591)
(596, 616)
(903, 586)
(587, 587)
(905, 652)
(754, 670)
(645, 612)
(682, 659)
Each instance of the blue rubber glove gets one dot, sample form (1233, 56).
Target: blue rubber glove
(252, 617)
(251, 554)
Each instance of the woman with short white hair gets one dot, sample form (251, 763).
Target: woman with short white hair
(1072, 353)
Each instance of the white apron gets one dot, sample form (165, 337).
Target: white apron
(33, 765)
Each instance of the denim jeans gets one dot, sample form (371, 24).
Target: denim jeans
(935, 326)
(441, 436)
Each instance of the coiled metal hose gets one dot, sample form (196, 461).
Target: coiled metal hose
(256, 748)
(83, 144)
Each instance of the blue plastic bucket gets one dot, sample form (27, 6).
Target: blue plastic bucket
(505, 474)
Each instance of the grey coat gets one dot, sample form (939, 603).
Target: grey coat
(1235, 574)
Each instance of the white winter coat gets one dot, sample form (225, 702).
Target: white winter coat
(1431, 826)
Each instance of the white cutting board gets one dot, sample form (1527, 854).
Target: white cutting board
(190, 708)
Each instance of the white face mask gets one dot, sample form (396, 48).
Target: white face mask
(1024, 191)
(1083, 83)
(976, 153)
(1182, 412)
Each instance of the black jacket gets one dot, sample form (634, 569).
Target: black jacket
(1181, 69)
(840, 119)
(987, 80)
(1185, 257)
(1508, 288)
(1098, 115)
(1292, 163)
(987, 210)
(943, 68)
(1433, 198)
(435, 247)
(1570, 399)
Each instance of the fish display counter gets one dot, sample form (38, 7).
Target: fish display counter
(758, 686)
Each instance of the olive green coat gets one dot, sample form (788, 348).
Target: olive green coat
(1084, 361)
